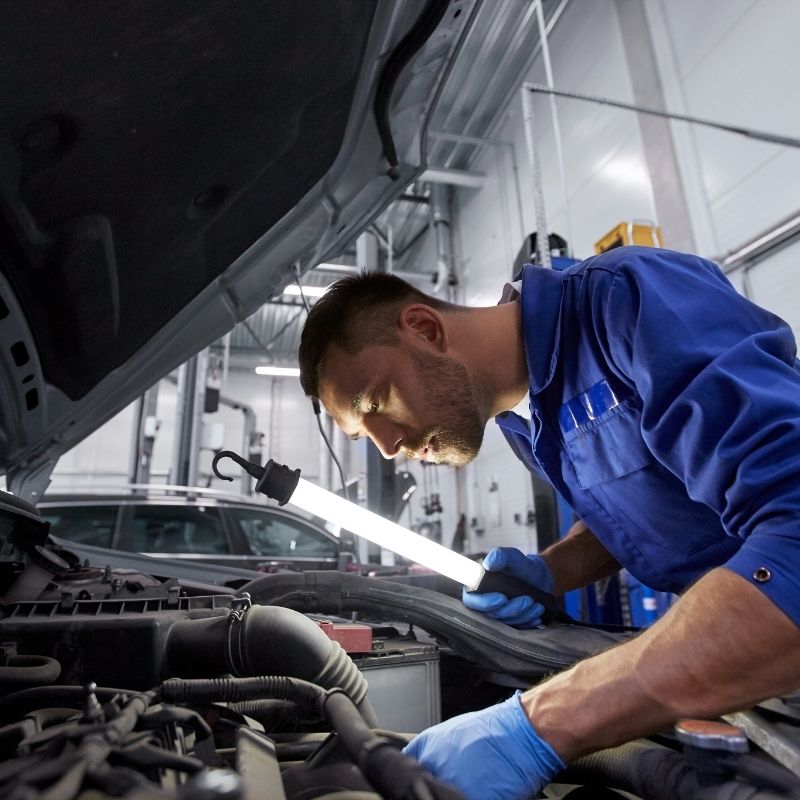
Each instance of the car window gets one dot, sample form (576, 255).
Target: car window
(178, 529)
(282, 537)
(83, 524)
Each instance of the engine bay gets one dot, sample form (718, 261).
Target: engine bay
(118, 683)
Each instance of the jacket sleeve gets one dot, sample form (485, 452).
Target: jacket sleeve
(720, 385)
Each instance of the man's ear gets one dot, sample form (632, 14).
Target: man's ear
(423, 325)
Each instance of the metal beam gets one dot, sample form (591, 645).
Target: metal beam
(453, 177)
(343, 269)
(781, 234)
(750, 133)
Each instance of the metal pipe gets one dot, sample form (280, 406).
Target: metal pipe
(199, 391)
(142, 441)
(750, 133)
(188, 420)
(382, 238)
(542, 235)
(387, 241)
(453, 177)
(440, 218)
(248, 432)
(136, 438)
(548, 71)
(226, 358)
(176, 468)
(501, 143)
(343, 269)
(781, 234)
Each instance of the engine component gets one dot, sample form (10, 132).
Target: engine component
(658, 773)
(264, 641)
(137, 745)
(528, 654)
(87, 638)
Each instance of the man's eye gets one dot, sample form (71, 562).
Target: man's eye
(373, 409)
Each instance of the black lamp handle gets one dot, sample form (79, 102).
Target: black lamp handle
(273, 479)
(513, 587)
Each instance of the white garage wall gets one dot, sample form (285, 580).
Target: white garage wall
(99, 460)
(283, 414)
(739, 65)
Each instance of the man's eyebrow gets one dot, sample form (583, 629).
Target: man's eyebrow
(355, 403)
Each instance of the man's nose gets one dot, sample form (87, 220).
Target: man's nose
(387, 435)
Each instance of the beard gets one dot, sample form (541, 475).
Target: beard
(457, 438)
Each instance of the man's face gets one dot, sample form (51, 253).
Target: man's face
(407, 400)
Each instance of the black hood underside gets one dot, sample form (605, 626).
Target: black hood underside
(145, 146)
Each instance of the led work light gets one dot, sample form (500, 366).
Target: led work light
(285, 485)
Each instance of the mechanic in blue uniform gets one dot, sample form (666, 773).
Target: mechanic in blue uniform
(665, 408)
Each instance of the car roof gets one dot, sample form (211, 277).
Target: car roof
(167, 171)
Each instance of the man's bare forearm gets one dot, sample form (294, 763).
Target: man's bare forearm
(722, 647)
(578, 559)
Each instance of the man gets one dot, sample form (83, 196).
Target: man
(665, 408)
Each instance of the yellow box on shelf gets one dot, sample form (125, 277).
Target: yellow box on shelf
(640, 232)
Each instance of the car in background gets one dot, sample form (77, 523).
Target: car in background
(198, 525)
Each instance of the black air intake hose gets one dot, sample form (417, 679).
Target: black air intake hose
(265, 640)
(656, 773)
(495, 646)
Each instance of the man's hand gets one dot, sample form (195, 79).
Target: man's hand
(494, 754)
(521, 612)
(722, 647)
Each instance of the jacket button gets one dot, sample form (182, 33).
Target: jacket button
(761, 574)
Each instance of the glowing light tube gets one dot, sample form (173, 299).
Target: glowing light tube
(387, 534)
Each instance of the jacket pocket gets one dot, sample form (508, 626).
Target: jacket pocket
(608, 447)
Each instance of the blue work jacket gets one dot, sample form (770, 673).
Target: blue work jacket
(665, 409)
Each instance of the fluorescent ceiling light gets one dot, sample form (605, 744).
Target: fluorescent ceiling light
(309, 291)
(280, 372)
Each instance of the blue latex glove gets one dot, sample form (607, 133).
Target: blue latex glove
(494, 754)
(523, 611)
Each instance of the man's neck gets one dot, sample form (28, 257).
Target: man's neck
(491, 347)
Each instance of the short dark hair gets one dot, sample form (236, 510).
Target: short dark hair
(356, 311)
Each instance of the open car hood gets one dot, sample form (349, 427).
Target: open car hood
(163, 167)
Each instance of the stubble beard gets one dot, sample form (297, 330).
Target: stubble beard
(449, 389)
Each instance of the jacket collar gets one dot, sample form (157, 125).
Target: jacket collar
(542, 296)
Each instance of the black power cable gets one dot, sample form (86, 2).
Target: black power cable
(315, 403)
(318, 414)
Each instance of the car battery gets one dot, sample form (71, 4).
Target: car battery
(403, 679)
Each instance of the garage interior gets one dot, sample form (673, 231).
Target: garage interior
(457, 231)
(600, 123)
